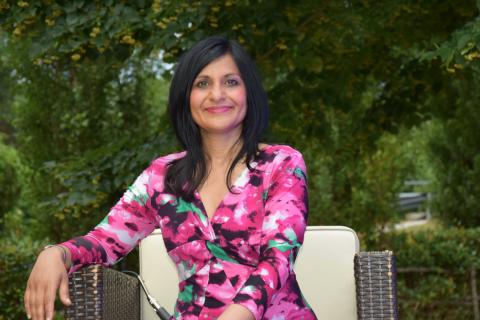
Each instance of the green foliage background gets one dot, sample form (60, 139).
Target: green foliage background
(373, 93)
(446, 255)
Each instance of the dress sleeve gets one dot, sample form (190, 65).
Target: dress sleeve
(283, 229)
(128, 222)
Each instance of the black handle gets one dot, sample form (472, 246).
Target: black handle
(163, 314)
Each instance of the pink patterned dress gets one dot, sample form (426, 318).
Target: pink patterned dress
(244, 254)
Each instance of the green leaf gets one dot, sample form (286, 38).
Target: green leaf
(72, 19)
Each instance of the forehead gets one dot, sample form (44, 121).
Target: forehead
(224, 65)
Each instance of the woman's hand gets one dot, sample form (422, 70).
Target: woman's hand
(236, 312)
(48, 275)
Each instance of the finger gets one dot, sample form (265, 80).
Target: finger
(26, 302)
(37, 304)
(63, 291)
(49, 301)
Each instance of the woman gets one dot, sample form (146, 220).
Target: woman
(232, 210)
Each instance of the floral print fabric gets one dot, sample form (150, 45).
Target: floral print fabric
(244, 254)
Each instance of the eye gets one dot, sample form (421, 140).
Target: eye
(202, 84)
(231, 82)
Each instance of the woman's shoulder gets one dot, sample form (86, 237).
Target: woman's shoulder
(282, 151)
(280, 160)
(159, 164)
(277, 157)
(166, 159)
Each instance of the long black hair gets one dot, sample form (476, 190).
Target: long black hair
(186, 174)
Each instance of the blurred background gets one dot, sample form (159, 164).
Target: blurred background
(381, 97)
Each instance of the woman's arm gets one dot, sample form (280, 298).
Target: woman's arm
(130, 220)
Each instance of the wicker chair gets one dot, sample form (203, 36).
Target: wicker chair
(337, 280)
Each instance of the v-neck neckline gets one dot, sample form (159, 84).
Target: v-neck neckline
(235, 184)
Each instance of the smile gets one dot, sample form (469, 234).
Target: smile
(218, 109)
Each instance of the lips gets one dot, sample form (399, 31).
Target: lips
(218, 109)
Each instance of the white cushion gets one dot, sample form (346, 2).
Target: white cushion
(324, 271)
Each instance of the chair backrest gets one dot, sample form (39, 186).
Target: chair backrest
(324, 271)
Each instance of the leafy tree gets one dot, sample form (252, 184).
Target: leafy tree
(454, 147)
(66, 116)
(6, 95)
(9, 179)
(349, 71)
(453, 143)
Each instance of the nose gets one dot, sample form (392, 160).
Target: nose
(216, 92)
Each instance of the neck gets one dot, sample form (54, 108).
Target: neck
(221, 148)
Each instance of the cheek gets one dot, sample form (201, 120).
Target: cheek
(194, 99)
(241, 96)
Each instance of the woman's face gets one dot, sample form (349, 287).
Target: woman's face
(218, 100)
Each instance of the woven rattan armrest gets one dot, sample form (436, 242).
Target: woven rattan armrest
(103, 294)
(376, 285)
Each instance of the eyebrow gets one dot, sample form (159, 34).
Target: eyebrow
(202, 76)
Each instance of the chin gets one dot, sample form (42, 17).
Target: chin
(227, 130)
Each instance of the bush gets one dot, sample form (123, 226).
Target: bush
(457, 163)
(91, 185)
(442, 290)
(9, 179)
(358, 189)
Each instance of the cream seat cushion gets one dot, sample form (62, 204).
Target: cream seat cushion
(324, 269)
